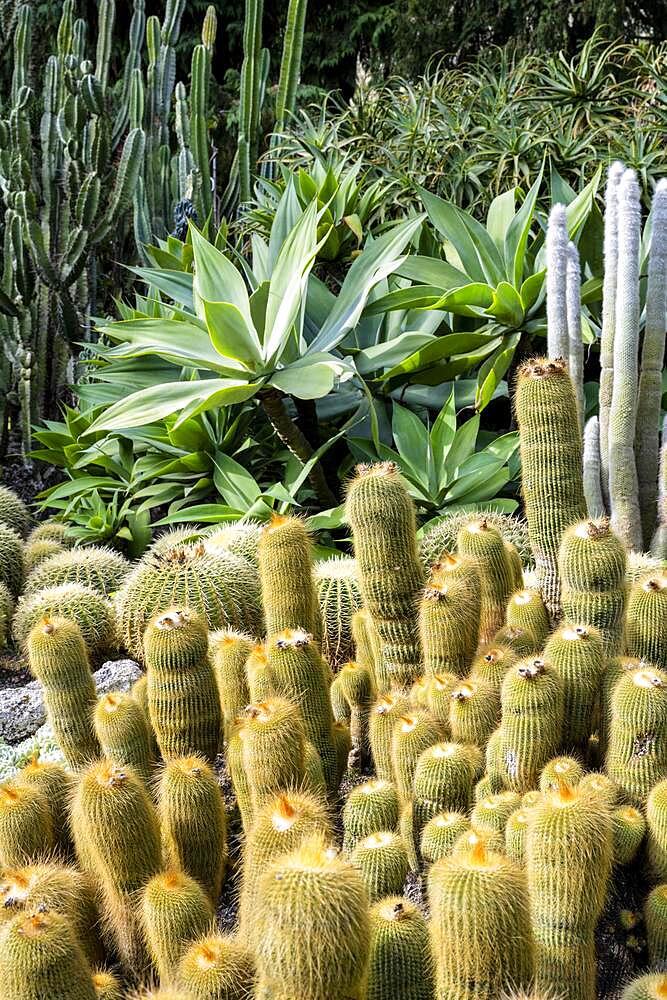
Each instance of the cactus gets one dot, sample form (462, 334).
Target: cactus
(440, 834)
(440, 540)
(413, 733)
(592, 469)
(400, 966)
(369, 808)
(48, 531)
(251, 86)
(124, 733)
(575, 343)
(366, 642)
(558, 770)
(382, 516)
(229, 656)
(485, 545)
(41, 957)
(239, 778)
(659, 542)
(480, 928)
(449, 615)
(117, 839)
(656, 831)
(551, 457)
(312, 926)
(339, 704)
(526, 610)
(655, 919)
(521, 641)
(193, 822)
(26, 824)
(183, 700)
(91, 611)
(649, 987)
(592, 564)
(273, 749)
(339, 599)
(623, 483)
(474, 712)
(281, 826)
(11, 560)
(575, 653)
(57, 657)
(382, 860)
(241, 538)
(220, 585)
(516, 831)
(286, 569)
(342, 745)
(556, 281)
(444, 778)
(601, 787)
(637, 752)
(515, 564)
(532, 701)
(489, 817)
(300, 674)
(568, 861)
(612, 673)
(261, 685)
(492, 663)
(629, 828)
(217, 968)
(100, 569)
(36, 552)
(175, 911)
(55, 783)
(356, 685)
(107, 986)
(646, 620)
(13, 512)
(437, 696)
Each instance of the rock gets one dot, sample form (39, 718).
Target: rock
(22, 710)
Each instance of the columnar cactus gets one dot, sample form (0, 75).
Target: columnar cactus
(629, 830)
(369, 808)
(575, 342)
(556, 281)
(183, 700)
(175, 911)
(474, 712)
(26, 824)
(193, 822)
(449, 615)
(568, 861)
(57, 657)
(13, 512)
(91, 611)
(489, 817)
(286, 571)
(532, 700)
(483, 543)
(382, 517)
(229, 654)
(575, 653)
(339, 599)
(124, 733)
(526, 610)
(656, 831)
(382, 861)
(637, 752)
(440, 834)
(273, 749)
(551, 456)
(413, 733)
(437, 695)
(56, 784)
(41, 957)
(366, 642)
(400, 966)
(11, 560)
(558, 770)
(492, 663)
(655, 919)
(646, 620)
(217, 968)
(355, 683)
(592, 469)
(384, 714)
(480, 927)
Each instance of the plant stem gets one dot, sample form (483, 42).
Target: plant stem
(295, 440)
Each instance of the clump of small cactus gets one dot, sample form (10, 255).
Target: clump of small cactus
(91, 611)
(441, 538)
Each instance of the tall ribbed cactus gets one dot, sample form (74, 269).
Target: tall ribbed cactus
(290, 66)
(593, 469)
(659, 543)
(253, 77)
(575, 343)
(608, 316)
(556, 246)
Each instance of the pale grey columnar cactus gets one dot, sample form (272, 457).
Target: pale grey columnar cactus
(659, 545)
(575, 343)
(556, 247)
(647, 436)
(608, 316)
(592, 481)
(623, 485)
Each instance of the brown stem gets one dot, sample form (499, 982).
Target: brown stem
(295, 440)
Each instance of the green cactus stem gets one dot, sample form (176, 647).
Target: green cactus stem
(217, 967)
(449, 615)
(175, 911)
(369, 808)
(592, 469)
(526, 610)
(558, 770)
(41, 957)
(482, 542)
(575, 653)
(382, 860)
(400, 966)
(629, 830)
(230, 652)
(492, 663)
(273, 749)
(124, 733)
(646, 620)
(286, 570)
(637, 752)
(356, 685)
(339, 599)
(26, 824)
(556, 282)
(440, 834)
(474, 712)
(413, 733)
(532, 701)
(91, 611)
(384, 714)
(55, 783)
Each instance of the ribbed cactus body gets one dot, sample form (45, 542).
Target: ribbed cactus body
(241, 539)
(91, 611)
(490, 816)
(449, 615)
(436, 697)
(220, 585)
(592, 469)
(343, 745)
(480, 541)
(117, 839)
(366, 642)
(575, 653)
(443, 782)
(229, 655)
(400, 966)
(273, 749)
(47, 531)
(96, 567)
(520, 640)
(41, 957)
(339, 599)
(615, 668)
(286, 574)
(382, 861)
(107, 985)
(58, 659)
(532, 701)
(655, 920)
(217, 968)
(369, 808)
(440, 834)
(629, 828)
(413, 733)
(492, 663)
(637, 751)
(11, 560)
(559, 770)
(474, 712)
(646, 620)
(649, 987)
(14, 513)
(193, 822)
(384, 715)
(355, 682)
(551, 457)
(516, 831)
(36, 552)
(382, 517)
(183, 700)
(526, 610)
(312, 926)
(592, 562)
(175, 911)
(656, 831)
(56, 784)
(26, 824)
(515, 563)
(480, 928)
(261, 684)
(239, 777)
(300, 674)
(568, 861)
(124, 733)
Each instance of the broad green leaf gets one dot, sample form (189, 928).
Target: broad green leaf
(443, 434)
(183, 344)
(578, 210)
(500, 215)
(391, 352)
(431, 271)
(216, 279)
(470, 300)
(233, 482)
(503, 446)
(207, 513)
(82, 484)
(414, 297)
(451, 345)
(493, 369)
(506, 306)
(479, 486)
(462, 447)
(230, 335)
(288, 283)
(473, 244)
(531, 288)
(412, 441)
(177, 285)
(516, 239)
(309, 382)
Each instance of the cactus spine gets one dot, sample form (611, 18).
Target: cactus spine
(413, 733)
(526, 610)
(482, 542)
(183, 699)
(382, 517)
(629, 831)
(273, 749)
(400, 964)
(384, 714)
(41, 957)
(339, 598)
(592, 469)
(175, 911)
(382, 860)
(229, 656)
(286, 570)
(26, 824)
(440, 834)
(474, 712)
(551, 456)
(57, 657)
(449, 614)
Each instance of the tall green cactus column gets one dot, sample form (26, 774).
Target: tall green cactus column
(382, 517)
(551, 456)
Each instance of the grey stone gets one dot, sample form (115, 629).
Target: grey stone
(22, 710)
